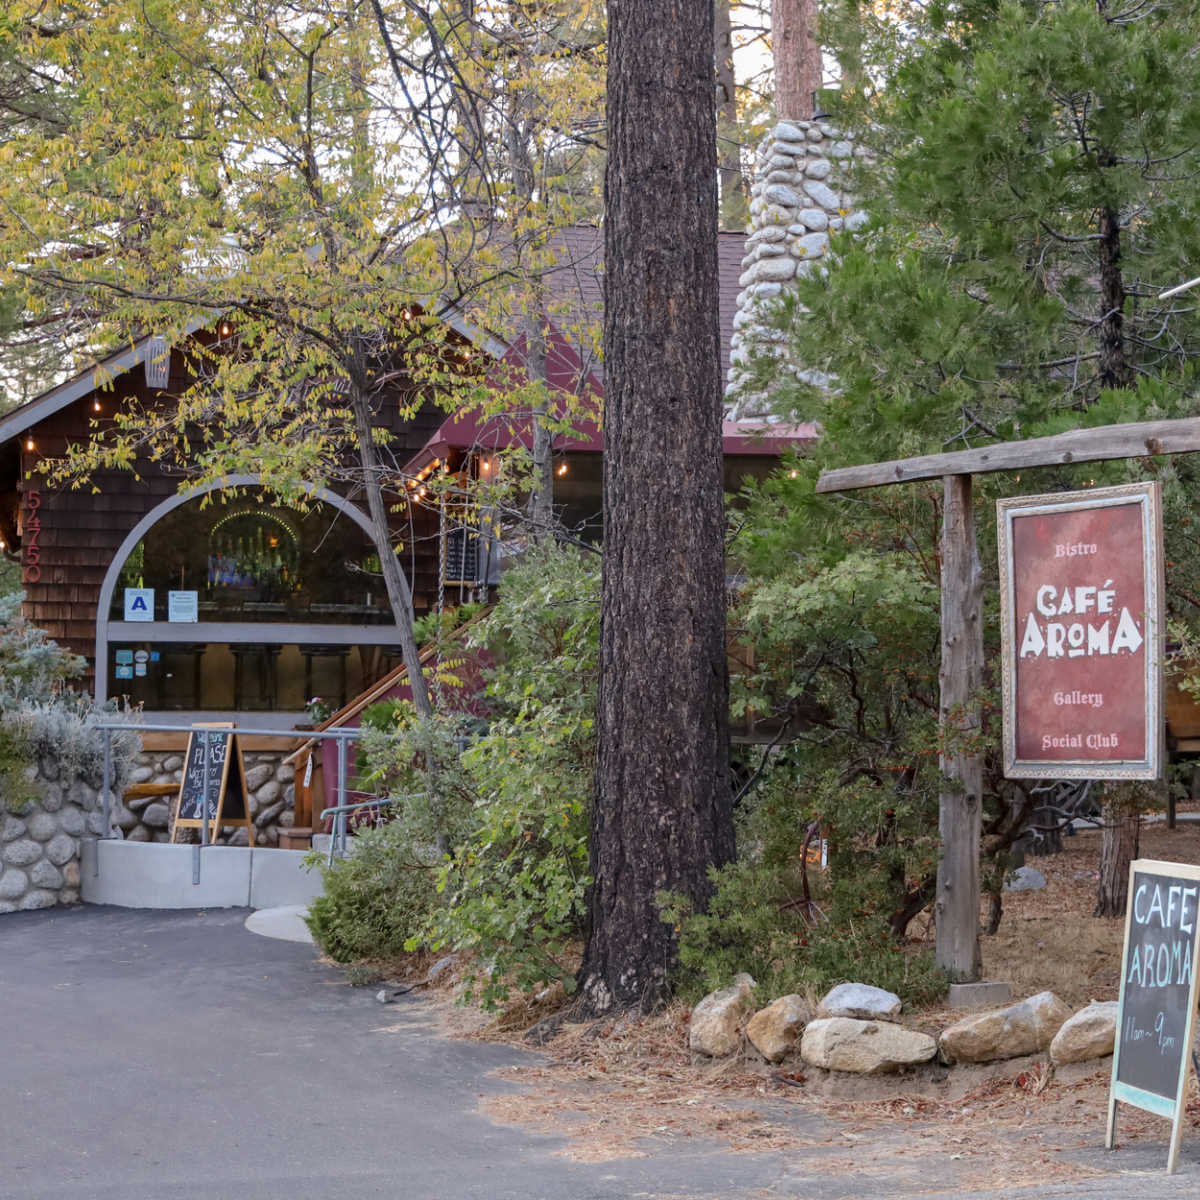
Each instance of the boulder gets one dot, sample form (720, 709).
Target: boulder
(1025, 879)
(10, 828)
(156, 815)
(1089, 1033)
(774, 1030)
(717, 1021)
(21, 853)
(860, 1000)
(863, 1047)
(61, 849)
(258, 774)
(1027, 1027)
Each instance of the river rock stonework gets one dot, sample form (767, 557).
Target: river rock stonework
(796, 202)
(39, 844)
(272, 794)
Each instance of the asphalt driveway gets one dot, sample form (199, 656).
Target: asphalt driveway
(175, 1056)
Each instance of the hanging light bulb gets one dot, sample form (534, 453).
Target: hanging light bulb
(96, 405)
(562, 470)
(29, 442)
(225, 329)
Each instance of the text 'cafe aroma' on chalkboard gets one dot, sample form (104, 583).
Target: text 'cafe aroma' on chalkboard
(1157, 1011)
(224, 802)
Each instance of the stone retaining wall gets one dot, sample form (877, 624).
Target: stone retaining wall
(39, 845)
(272, 793)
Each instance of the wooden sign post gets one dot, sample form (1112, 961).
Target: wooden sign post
(957, 896)
(1156, 1015)
(213, 793)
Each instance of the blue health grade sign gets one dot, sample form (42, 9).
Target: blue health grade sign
(1157, 1010)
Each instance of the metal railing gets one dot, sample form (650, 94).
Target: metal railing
(343, 738)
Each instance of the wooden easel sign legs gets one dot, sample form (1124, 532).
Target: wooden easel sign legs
(1156, 1015)
(213, 793)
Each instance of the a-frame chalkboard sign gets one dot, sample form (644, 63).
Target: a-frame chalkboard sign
(1156, 1016)
(218, 796)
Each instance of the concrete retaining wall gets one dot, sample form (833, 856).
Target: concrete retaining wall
(159, 875)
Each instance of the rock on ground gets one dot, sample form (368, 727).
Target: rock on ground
(1025, 879)
(860, 1000)
(717, 1021)
(1023, 1028)
(863, 1047)
(1089, 1033)
(774, 1030)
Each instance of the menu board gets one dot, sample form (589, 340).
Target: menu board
(213, 788)
(1158, 993)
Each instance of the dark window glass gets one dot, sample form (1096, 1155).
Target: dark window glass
(247, 560)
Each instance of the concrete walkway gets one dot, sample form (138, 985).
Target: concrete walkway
(175, 1056)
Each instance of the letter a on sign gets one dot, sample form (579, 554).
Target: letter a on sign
(139, 604)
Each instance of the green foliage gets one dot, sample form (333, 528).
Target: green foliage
(1025, 220)
(41, 719)
(511, 810)
(758, 922)
(376, 898)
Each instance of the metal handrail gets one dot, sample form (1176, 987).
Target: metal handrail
(342, 736)
(340, 811)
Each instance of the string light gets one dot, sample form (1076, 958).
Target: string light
(562, 470)
(484, 465)
(225, 329)
(29, 442)
(793, 474)
(96, 405)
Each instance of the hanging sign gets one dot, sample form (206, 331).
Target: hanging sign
(1157, 1007)
(1081, 598)
(213, 788)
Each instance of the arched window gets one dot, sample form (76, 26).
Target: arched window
(235, 603)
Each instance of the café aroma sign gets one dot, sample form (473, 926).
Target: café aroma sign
(1081, 620)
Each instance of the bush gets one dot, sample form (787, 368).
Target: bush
(41, 719)
(511, 809)
(757, 921)
(376, 899)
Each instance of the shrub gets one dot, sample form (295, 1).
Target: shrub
(511, 809)
(375, 899)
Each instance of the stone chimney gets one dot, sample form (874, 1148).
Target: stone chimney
(795, 203)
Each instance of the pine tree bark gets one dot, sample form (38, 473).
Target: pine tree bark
(796, 53)
(734, 193)
(1118, 848)
(663, 810)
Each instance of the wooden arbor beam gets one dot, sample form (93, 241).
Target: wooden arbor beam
(1135, 440)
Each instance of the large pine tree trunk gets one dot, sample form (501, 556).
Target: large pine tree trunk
(1118, 848)
(796, 53)
(734, 194)
(663, 808)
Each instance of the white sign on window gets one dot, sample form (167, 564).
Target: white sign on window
(183, 606)
(139, 604)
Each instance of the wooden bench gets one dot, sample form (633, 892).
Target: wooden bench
(139, 791)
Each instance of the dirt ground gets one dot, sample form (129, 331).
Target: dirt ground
(625, 1087)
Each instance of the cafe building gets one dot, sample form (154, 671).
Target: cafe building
(226, 604)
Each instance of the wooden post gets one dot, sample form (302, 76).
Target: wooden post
(961, 678)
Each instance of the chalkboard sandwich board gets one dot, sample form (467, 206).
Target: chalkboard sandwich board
(217, 796)
(1157, 1011)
